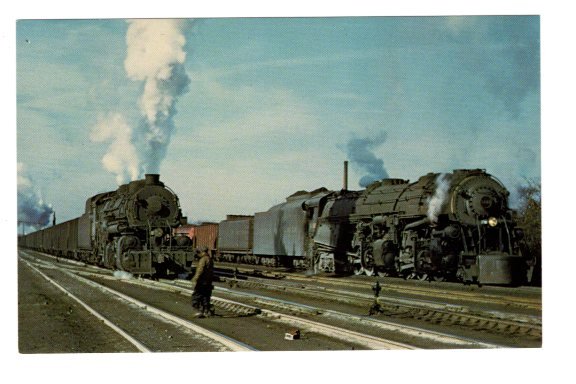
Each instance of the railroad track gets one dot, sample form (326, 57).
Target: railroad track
(223, 343)
(425, 310)
(345, 335)
(435, 291)
(388, 288)
(366, 341)
(442, 293)
(298, 315)
(398, 308)
(287, 306)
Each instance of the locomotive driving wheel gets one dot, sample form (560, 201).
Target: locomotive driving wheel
(368, 262)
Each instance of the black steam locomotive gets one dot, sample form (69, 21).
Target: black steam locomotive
(129, 229)
(455, 226)
(443, 226)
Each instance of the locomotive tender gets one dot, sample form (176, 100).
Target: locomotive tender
(129, 229)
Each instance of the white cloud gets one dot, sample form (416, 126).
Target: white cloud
(258, 114)
(242, 184)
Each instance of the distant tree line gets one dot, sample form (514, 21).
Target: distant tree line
(529, 218)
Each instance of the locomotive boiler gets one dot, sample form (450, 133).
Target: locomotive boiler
(443, 226)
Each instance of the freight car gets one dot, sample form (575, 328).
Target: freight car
(129, 229)
(236, 240)
(197, 236)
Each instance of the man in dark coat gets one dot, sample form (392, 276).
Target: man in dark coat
(202, 282)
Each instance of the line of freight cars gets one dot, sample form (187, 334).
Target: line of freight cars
(455, 226)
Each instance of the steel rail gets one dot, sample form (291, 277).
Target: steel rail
(347, 296)
(228, 342)
(390, 326)
(141, 347)
(231, 344)
(437, 292)
(385, 325)
(416, 332)
(368, 341)
(454, 310)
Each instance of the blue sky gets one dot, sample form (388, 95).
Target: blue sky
(274, 105)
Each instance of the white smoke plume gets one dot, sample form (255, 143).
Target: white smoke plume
(32, 210)
(437, 201)
(155, 55)
(121, 158)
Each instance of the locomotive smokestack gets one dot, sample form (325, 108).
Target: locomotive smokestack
(345, 185)
(152, 179)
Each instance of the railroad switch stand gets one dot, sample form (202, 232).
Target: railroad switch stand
(376, 307)
(376, 288)
(234, 281)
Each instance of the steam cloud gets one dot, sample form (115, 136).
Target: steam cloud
(121, 159)
(123, 275)
(32, 210)
(155, 56)
(360, 153)
(437, 201)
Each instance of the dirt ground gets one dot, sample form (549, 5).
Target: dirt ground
(51, 322)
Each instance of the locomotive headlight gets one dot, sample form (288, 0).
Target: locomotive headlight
(492, 221)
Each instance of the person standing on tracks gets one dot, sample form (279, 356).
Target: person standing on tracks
(202, 282)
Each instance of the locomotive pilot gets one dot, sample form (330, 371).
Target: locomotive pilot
(202, 282)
